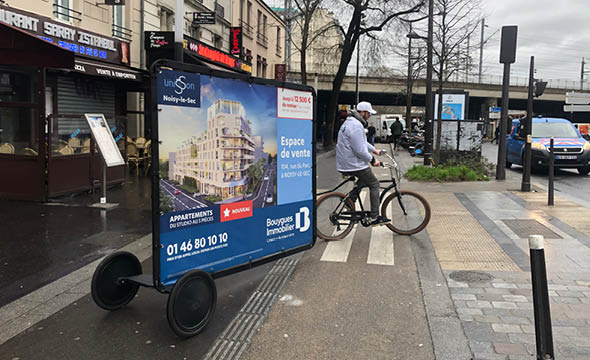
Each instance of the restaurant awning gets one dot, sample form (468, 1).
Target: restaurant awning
(96, 68)
(18, 47)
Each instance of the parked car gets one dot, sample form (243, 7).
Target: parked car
(571, 149)
(269, 199)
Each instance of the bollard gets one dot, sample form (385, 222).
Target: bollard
(543, 332)
(550, 201)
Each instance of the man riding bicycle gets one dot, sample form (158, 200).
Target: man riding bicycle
(353, 155)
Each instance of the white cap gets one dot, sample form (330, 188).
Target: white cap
(365, 106)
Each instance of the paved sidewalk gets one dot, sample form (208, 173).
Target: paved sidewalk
(480, 235)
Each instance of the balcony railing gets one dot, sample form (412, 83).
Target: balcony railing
(248, 30)
(122, 32)
(262, 39)
(66, 13)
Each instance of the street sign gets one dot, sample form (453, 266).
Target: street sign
(204, 18)
(576, 108)
(495, 109)
(577, 98)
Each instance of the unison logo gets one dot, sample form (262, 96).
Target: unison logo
(179, 85)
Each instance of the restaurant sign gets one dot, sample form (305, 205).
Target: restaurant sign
(84, 43)
(235, 41)
(215, 55)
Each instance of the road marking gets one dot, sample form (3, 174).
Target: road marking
(337, 251)
(381, 246)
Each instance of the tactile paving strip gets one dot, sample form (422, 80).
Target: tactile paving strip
(526, 227)
(459, 240)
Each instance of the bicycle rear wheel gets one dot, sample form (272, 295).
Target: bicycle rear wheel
(409, 213)
(329, 208)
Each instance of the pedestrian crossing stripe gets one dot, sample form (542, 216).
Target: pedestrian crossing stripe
(381, 248)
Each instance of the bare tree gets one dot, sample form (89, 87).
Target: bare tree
(454, 26)
(367, 17)
(308, 12)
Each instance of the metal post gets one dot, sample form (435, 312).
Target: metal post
(501, 164)
(288, 35)
(543, 331)
(409, 82)
(526, 173)
(483, 25)
(103, 199)
(551, 199)
(429, 98)
(582, 75)
(179, 30)
(357, 68)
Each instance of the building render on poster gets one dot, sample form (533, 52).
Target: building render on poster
(218, 159)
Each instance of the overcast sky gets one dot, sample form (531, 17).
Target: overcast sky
(556, 33)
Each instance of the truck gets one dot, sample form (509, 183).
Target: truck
(571, 149)
(383, 126)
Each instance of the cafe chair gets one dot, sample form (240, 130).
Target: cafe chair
(30, 152)
(133, 157)
(63, 148)
(147, 156)
(140, 141)
(6, 148)
(74, 142)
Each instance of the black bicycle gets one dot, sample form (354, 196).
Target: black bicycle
(408, 211)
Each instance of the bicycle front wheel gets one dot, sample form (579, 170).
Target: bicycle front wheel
(334, 218)
(409, 212)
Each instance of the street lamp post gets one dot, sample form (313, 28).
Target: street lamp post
(409, 83)
(429, 99)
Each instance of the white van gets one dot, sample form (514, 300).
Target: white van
(383, 126)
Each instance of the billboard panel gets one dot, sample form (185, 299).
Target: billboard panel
(236, 173)
(453, 106)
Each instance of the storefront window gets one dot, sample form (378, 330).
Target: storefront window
(19, 131)
(71, 136)
(17, 85)
(19, 124)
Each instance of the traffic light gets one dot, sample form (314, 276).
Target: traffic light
(539, 87)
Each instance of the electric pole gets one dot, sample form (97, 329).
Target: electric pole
(483, 25)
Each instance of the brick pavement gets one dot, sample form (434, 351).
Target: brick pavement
(497, 315)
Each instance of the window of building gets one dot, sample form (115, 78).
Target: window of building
(61, 9)
(264, 25)
(196, 32)
(248, 12)
(259, 23)
(218, 41)
(241, 11)
(166, 20)
(219, 10)
(279, 48)
(264, 64)
(119, 21)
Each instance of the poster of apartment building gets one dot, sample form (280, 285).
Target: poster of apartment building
(235, 170)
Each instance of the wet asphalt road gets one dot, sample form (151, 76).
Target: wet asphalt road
(567, 181)
(43, 242)
(139, 331)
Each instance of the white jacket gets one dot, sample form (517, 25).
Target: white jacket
(353, 152)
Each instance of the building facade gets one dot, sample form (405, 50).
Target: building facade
(64, 58)
(263, 36)
(322, 56)
(216, 161)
